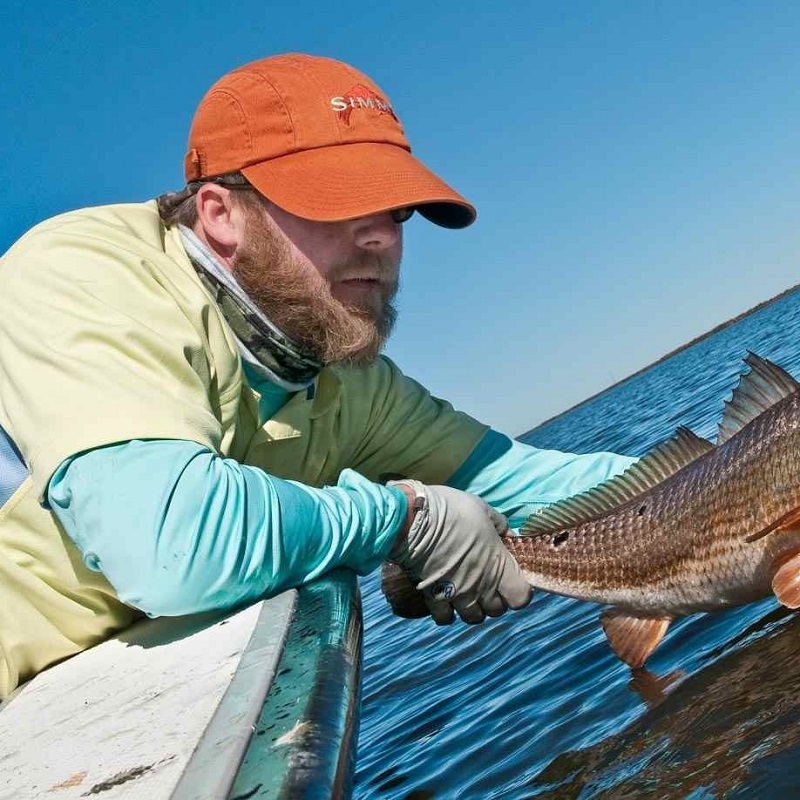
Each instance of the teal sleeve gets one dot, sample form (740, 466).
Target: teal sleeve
(177, 530)
(518, 479)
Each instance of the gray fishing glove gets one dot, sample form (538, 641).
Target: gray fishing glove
(454, 552)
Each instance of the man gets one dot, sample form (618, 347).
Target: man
(194, 410)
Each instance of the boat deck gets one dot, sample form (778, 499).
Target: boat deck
(261, 703)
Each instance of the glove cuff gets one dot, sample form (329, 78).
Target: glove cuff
(400, 547)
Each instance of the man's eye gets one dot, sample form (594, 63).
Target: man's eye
(400, 215)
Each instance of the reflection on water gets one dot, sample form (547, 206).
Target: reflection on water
(534, 704)
(723, 728)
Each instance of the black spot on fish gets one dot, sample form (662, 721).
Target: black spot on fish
(560, 538)
(642, 509)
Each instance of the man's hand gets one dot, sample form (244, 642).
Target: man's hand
(451, 545)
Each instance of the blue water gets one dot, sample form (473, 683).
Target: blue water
(535, 704)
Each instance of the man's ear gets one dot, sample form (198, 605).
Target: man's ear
(218, 222)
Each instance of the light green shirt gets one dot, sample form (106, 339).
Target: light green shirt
(107, 335)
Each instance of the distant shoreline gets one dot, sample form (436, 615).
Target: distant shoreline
(671, 353)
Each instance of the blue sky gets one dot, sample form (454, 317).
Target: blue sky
(635, 164)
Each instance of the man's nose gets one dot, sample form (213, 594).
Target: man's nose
(376, 232)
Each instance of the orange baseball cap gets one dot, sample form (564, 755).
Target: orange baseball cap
(319, 139)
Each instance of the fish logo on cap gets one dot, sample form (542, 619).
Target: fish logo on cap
(361, 96)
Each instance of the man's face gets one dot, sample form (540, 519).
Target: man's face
(327, 285)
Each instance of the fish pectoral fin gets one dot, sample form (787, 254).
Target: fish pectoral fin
(786, 580)
(633, 638)
(788, 523)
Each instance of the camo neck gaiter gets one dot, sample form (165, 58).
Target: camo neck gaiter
(262, 344)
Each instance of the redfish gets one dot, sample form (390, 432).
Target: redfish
(691, 527)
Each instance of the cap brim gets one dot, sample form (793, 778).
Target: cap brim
(354, 180)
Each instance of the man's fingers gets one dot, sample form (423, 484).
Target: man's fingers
(516, 591)
(470, 611)
(494, 606)
(498, 520)
(441, 611)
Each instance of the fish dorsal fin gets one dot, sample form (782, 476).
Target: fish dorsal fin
(765, 385)
(655, 467)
